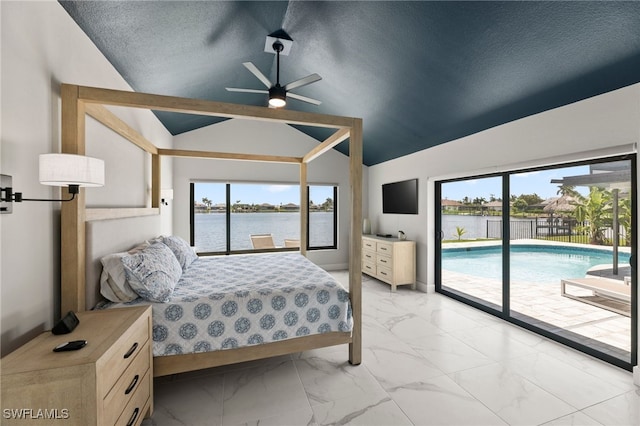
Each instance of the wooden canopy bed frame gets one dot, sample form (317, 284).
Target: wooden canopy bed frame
(79, 101)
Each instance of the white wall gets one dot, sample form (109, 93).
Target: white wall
(256, 137)
(41, 47)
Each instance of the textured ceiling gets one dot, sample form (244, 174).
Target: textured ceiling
(419, 73)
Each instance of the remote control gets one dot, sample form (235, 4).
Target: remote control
(70, 346)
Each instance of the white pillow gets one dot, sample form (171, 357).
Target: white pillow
(181, 249)
(153, 272)
(113, 280)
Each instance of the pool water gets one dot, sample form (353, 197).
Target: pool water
(540, 264)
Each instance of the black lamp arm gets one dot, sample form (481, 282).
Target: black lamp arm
(17, 196)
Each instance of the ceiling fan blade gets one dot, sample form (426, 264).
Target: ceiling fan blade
(303, 98)
(235, 89)
(255, 71)
(302, 82)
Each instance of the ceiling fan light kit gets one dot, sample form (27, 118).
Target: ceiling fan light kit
(279, 43)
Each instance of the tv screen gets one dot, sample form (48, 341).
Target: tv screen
(400, 197)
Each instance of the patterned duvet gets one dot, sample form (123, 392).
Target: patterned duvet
(225, 302)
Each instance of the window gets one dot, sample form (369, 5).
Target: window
(225, 215)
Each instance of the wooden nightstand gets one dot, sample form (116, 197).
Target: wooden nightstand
(109, 381)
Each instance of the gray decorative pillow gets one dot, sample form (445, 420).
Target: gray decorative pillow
(181, 249)
(153, 272)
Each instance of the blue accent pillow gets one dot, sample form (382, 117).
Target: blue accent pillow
(153, 272)
(181, 249)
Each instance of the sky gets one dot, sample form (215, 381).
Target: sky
(538, 182)
(259, 193)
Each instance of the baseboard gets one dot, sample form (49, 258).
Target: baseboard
(636, 375)
(425, 288)
(335, 266)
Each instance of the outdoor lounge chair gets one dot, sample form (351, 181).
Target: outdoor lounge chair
(609, 294)
(262, 241)
(291, 243)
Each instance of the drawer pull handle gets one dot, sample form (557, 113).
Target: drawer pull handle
(131, 351)
(134, 416)
(133, 384)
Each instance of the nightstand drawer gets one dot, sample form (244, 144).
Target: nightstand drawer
(137, 406)
(384, 248)
(124, 352)
(126, 387)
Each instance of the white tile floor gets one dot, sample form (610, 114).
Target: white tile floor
(427, 360)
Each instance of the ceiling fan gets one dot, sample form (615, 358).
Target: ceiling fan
(277, 93)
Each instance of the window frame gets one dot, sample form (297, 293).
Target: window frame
(228, 203)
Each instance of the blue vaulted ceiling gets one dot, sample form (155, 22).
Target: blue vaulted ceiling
(419, 73)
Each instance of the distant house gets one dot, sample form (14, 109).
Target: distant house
(266, 207)
(493, 205)
(290, 207)
(451, 205)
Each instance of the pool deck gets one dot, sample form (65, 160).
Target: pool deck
(543, 305)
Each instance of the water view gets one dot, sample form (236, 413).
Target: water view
(210, 229)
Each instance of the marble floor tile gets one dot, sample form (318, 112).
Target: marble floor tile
(512, 397)
(440, 401)
(328, 381)
(621, 410)
(574, 386)
(448, 353)
(356, 410)
(575, 419)
(262, 392)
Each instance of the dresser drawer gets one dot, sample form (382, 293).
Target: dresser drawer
(123, 352)
(369, 268)
(369, 256)
(384, 261)
(384, 248)
(137, 406)
(368, 245)
(126, 387)
(384, 274)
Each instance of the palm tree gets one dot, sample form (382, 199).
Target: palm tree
(460, 232)
(625, 219)
(595, 210)
(207, 202)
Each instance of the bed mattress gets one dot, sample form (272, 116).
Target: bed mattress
(226, 302)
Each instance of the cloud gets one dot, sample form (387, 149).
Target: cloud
(279, 188)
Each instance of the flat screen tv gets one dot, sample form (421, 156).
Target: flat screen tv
(400, 197)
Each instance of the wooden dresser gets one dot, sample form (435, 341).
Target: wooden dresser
(108, 382)
(390, 260)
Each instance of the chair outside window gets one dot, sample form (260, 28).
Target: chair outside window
(262, 241)
(291, 243)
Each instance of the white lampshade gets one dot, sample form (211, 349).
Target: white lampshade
(70, 169)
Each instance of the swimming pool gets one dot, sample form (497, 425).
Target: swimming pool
(533, 263)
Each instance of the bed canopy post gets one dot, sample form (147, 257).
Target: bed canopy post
(72, 238)
(304, 208)
(355, 234)
(155, 180)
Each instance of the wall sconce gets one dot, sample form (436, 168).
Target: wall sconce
(69, 170)
(165, 196)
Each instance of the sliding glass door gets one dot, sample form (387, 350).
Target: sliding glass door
(470, 217)
(558, 254)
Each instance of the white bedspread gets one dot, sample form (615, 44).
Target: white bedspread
(225, 302)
